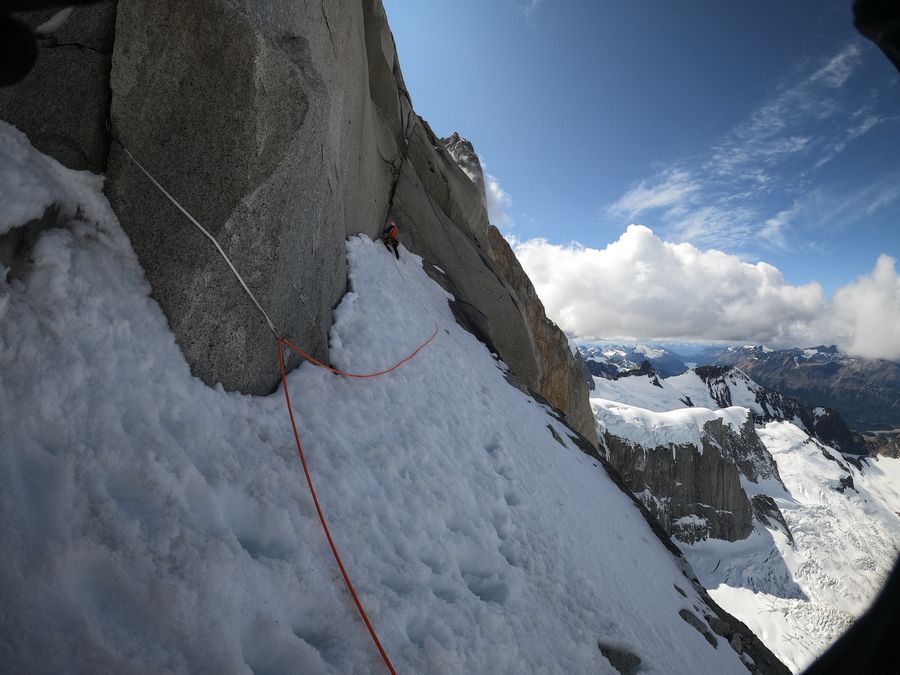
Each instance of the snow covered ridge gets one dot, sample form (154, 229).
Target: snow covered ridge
(154, 524)
(824, 532)
(866, 392)
(677, 427)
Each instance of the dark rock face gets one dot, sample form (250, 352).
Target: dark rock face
(626, 662)
(713, 376)
(889, 447)
(879, 20)
(694, 621)
(63, 104)
(265, 178)
(584, 370)
(766, 511)
(317, 127)
(560, 380)
(866, 392)
(694, 492)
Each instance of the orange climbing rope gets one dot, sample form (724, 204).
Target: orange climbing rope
(284, 342)
(362, 376)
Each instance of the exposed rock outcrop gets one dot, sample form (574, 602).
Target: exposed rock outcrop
(462, 151)
(889, 447)
(584, 370)
(767, 512)
(560, 380)
(305, 157)
(63, 104)
(695, 492)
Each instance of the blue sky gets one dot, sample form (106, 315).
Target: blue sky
(767, 130)
(759, 143)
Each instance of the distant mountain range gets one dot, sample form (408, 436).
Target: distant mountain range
(866, 392)
(611, 360)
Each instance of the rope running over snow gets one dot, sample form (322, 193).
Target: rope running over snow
(282, 343)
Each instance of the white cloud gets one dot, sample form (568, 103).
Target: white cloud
(499, 203)
(855, 131)
(773, 230)
(641, 287)
(865, 315)
(527, 7)
(670, 189)
(719, 225)
(838, 70)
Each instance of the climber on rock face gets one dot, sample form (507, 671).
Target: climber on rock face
(390, 237)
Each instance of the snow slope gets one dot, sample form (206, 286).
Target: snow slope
(153, 524)
(742, 390)
(673, 392)
(641, 390)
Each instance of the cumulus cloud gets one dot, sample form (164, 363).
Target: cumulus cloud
(499, 203)
(641, 287)
(865, 315)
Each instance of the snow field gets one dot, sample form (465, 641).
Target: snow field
(153, 524)
(654, 429)
(800, 598)
(639, 390)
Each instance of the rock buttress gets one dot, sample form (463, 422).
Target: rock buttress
(694, 492)
(561, 379)
(283, 127)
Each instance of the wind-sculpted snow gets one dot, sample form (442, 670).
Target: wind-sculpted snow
(154, 524)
